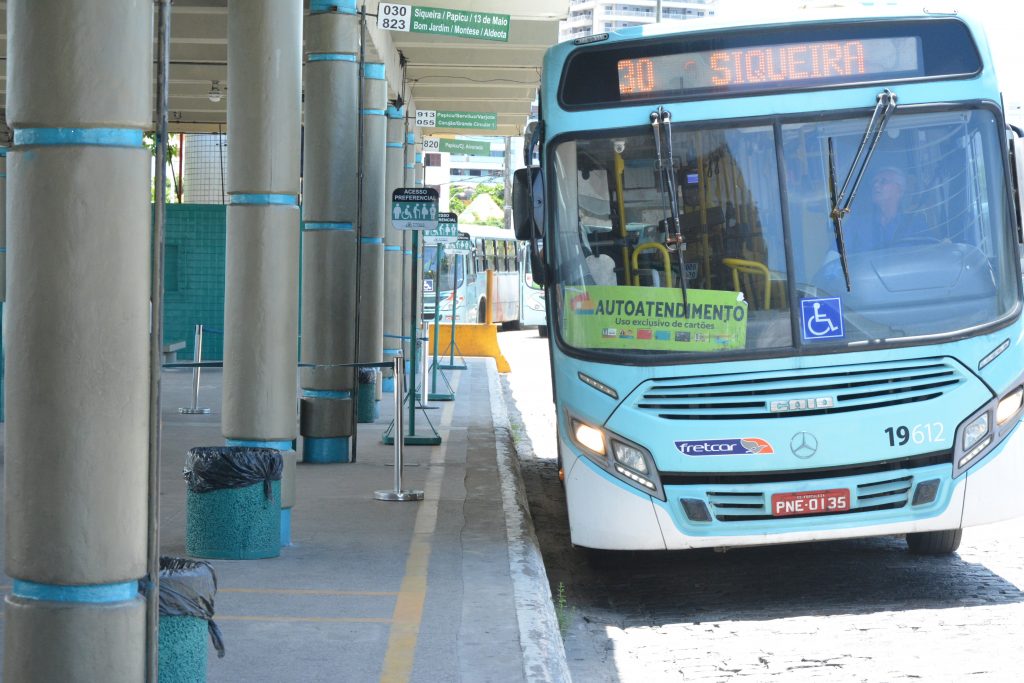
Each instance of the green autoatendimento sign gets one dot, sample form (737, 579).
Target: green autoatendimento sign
(472, 147)
(460, 23)
(466, 119)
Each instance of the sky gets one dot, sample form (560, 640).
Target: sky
(1003, 21)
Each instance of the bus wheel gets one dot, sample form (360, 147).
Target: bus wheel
(934, 542)
(481, 312)
(542, 331)
(510, 325)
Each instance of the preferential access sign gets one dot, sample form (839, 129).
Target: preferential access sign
(414, 208)
(446, 22)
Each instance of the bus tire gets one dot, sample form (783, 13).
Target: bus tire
(510, 325)
(542, 331)
(934, 542)
(481, 311)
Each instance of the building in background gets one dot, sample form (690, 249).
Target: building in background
(446, 171)
(587, 17)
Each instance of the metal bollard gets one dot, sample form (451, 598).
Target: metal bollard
(197, 357)
(398, 493)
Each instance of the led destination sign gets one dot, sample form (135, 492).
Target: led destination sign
(697, 65)
(770, 66)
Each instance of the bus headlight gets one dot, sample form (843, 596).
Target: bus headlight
(630, 456)
(974, 431)
(1009, 406)
(589, 437)
(629, 462)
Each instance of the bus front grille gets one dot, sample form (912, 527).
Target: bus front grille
(747, 505)
(798, 393)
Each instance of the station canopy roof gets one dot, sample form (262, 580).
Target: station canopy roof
(443, 73)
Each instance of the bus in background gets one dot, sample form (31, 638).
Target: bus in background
(480, 250)
(785, 292)
(532, 309)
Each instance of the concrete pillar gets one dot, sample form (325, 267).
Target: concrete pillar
(371, 241)
(409, 257)
(3, 225)
(3, 270)
(77, 430)
(261, 291)
(330, 208)
(394, 262)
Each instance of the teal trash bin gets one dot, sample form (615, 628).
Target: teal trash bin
(368, 407)
(187, 589)
(233, 502)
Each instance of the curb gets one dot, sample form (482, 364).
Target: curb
(541, 641)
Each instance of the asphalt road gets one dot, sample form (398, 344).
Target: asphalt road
(862, 610)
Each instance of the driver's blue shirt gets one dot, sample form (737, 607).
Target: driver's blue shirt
(871, 233)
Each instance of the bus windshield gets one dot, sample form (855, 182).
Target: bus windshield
(443, 281)
(928, 238)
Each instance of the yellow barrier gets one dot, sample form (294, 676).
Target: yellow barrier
(471, 339)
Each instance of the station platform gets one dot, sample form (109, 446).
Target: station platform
(451, 588)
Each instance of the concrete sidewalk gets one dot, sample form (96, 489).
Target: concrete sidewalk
(451, 588)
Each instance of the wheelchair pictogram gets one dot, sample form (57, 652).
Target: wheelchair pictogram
(821, 318)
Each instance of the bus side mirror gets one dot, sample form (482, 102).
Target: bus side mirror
(527, 203)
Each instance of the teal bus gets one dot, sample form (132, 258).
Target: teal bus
(782, 261)
(484, 256)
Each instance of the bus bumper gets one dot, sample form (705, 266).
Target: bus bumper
(607, 514)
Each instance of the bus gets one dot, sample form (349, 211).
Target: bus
(745, 348)
(481, 252)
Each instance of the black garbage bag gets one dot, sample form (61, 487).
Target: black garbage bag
(367, 376)
(187, 588)
(212, 468)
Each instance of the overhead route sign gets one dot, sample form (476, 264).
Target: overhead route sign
(470, 147)
(445, 22)
(431, 118)
(414, 208)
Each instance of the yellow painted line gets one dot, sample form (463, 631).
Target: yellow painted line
(408, 614)
(304, 620)
(308, 591)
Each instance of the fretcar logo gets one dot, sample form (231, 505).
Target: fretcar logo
(747, 446)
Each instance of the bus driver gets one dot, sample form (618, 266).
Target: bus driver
(888, 222)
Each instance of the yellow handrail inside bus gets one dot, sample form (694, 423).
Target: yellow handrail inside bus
(620, 169)
(648, 246)
(739, 265)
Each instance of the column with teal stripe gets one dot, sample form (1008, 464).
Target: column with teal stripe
(77, 433)
(261, 302)
(329, 239)
(3, 269)
(393, 247)
(371, 238)
(410, 277)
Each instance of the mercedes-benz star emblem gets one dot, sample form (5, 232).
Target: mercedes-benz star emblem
(803, 445)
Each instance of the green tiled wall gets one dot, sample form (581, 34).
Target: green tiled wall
(194, 277)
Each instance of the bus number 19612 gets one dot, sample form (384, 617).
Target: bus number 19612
(932, 432)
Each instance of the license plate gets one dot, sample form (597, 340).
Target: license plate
(810, 502)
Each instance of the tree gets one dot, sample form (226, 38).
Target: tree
(461, 197)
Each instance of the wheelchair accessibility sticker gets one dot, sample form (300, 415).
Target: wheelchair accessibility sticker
(821, 318)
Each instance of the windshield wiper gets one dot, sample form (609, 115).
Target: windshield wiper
(674, 236)
(884, 107)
